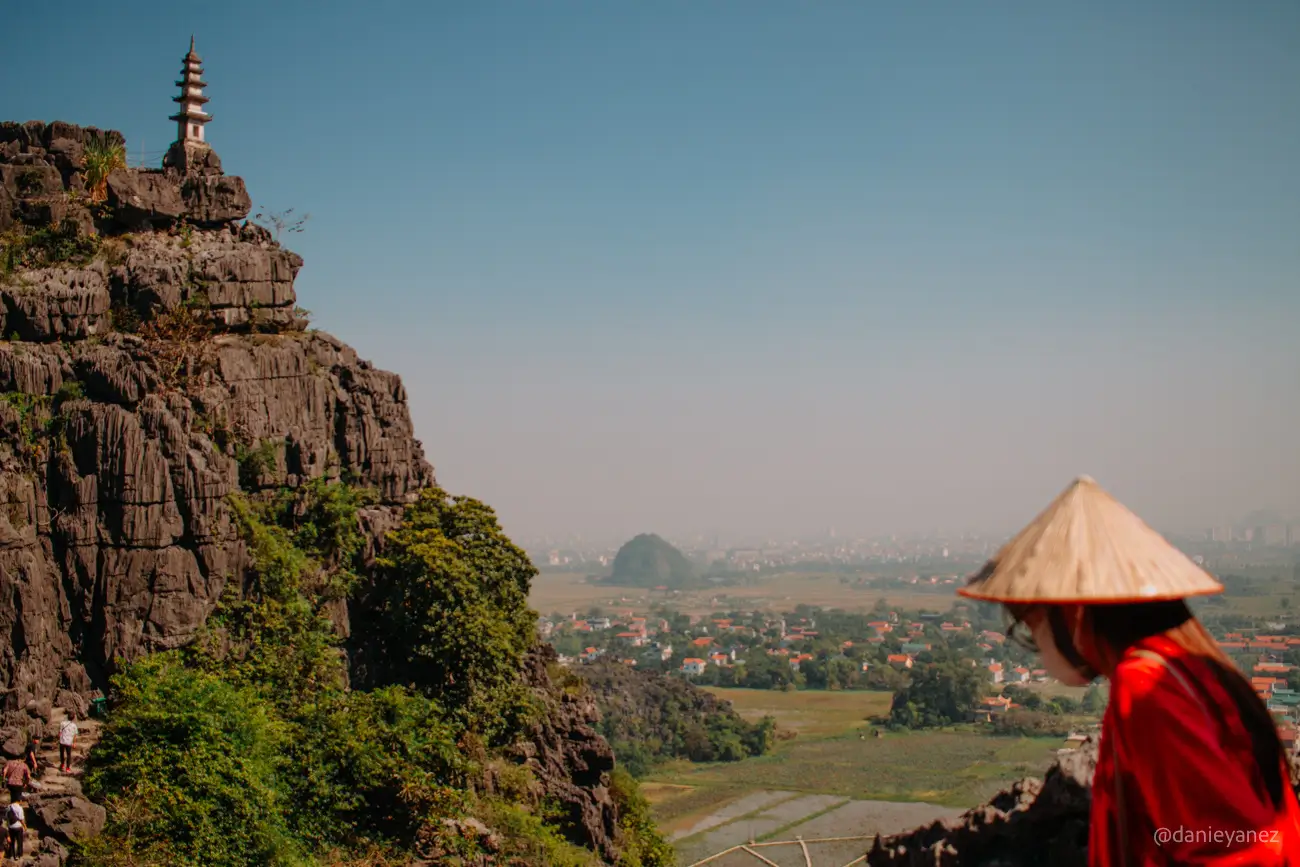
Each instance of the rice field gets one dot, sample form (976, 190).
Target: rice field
(834, 776)
(570, 591)
(951, 768)
(809, 713)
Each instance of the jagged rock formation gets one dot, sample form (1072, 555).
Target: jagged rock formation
(569, 758)
(1035, 823)
(120, 449)
(153, 363)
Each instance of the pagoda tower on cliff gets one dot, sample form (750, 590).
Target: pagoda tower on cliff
(191, 117)
(190, 152)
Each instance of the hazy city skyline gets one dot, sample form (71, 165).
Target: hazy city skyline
(769, 267)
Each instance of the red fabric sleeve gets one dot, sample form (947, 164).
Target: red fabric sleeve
(1201, 796)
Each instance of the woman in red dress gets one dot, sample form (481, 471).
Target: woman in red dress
(1190, 767)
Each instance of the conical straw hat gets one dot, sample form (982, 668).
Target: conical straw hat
(1087, 548)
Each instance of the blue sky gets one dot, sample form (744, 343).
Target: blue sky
(761, 266)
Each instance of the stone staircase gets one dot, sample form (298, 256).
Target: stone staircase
(57, 813)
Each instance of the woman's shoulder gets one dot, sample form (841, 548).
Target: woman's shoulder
(1161, 680)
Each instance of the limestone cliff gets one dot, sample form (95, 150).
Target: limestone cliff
(154, 361)
(135, 376)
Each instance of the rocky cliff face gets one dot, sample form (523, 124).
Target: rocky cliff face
(154, 359)
(569, 757)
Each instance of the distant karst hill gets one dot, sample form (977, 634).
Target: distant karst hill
(649, 561)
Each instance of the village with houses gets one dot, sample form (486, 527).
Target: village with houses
(881, 650)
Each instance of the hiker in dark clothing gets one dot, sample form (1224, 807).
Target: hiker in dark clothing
(30, 757)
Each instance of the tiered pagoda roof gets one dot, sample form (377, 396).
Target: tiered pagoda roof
(191, 98)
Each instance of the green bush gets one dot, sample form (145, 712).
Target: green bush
(643, 845)
(254, 461)
(371, 764)
(201, 756)
(22, 248)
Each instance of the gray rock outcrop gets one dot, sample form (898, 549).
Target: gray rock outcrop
(1035, 823)
(143, 368)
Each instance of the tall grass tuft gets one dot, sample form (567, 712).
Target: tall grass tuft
(102, 157)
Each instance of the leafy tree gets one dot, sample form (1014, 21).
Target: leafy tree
(1066, 704)
(938, 695)
(1094, 700)
(447, 611)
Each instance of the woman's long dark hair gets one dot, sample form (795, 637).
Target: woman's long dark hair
(1115, 628)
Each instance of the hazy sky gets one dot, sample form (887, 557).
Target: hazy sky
(761, 265)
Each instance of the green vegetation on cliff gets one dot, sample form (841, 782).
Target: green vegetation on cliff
(649, 718)
(249, 747)
(649, 561)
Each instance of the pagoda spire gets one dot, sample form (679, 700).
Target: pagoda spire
(190, 117)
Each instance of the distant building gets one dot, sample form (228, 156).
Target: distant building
(991, 707)
(692, 666)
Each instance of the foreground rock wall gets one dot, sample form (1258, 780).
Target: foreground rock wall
(1035, 823)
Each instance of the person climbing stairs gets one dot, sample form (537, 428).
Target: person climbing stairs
(51, 787)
